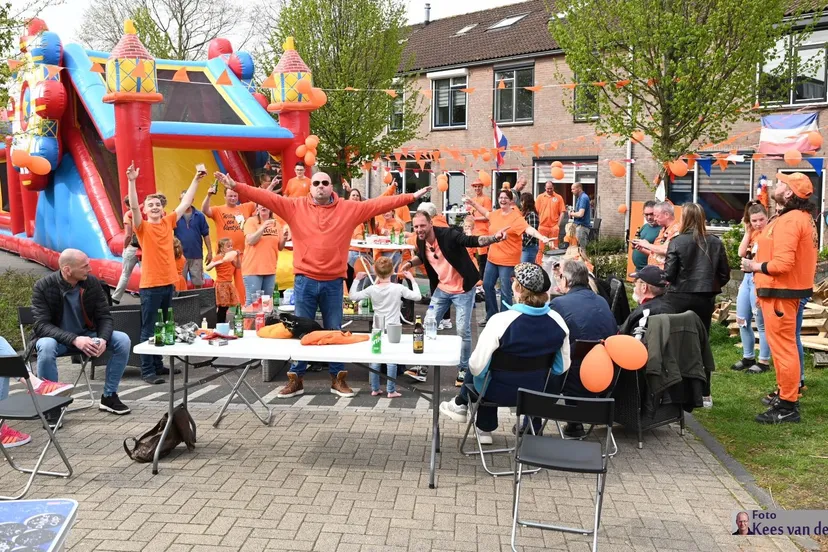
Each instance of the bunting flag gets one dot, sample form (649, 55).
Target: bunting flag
(705, 164)
(269, 82)
(533, 88)
(391, 92)
(139, 71)
(224, 79)
(97, 68)
(722, 163)
(501, 85)
(816, 163)
(13, 64)
(468, 90)
(52, 71)
(181, 76)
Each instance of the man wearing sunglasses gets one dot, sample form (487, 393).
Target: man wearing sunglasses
(322, 224)
(648, 232)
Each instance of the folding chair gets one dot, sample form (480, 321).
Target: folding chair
(25, 317)
(31, 407)
(562, 455)
(509, 373)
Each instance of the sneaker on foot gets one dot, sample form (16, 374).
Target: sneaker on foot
(485, 437)
(113, 404)
(295, 386)
(780, 413)
(444, 325)
(339, 386)
(53, 388)
(461, 378)
(153, 380)
(394, 394)
(164, 371)
(707, 402)
(457, 412)
(771, 398)
(419, 373)
(743, 364)
(11, 438)
(574, 430)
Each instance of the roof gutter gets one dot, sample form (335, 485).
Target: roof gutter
(492, 61)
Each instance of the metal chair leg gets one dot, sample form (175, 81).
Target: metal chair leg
(518, 470)
(85, 376)
(473, 406)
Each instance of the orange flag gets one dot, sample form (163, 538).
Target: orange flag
(181, 75)
(97, 68)
(52, 71)
(571, 85)
(722, 163)
(501, 85)
(536, 149)
(391, 92)
(422, 164)
(13, 64)
(622, 83)
(224, 79)
(468, 90)
(600, 83)
(269, 82)
(533, 88)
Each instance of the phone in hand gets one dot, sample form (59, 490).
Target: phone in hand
(201, 169)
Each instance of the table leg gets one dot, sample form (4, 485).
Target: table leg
(435, 425)
(171, 407)
(236, 391)
(186, 379)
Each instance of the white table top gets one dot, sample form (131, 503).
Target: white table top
(381, 246)
(444, 351)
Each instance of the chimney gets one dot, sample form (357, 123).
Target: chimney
(427, 13)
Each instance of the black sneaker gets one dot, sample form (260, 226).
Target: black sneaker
(52, 419)
(758, 368)
(153, 380)
(743, 364)
(574, 431)
(771, 398)
(164, 371)
(113, 404)
(780, 413)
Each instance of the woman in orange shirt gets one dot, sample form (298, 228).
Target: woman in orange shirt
(365, 229)
(180, 261)
(504, 255)
(225, 262)
(263, 238)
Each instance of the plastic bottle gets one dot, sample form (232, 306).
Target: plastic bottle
(376, 335)
(169, 333)
(430, 323)
(204, 324)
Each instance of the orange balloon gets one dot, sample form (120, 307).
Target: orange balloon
(310, 159)
(442, 178)
(484, 177)
(442, 185)
(318, 97)
(557, 173)
(557, 164)
(312, 141)
(678, 167)
(626, 351)
(388, 178)
(596, 369)
(617, 169)
(304, 86)
(622, 209)
(40, 165)
(815, 139)
(638, 136)
(486, 156)
(301, 150)
(793, 157)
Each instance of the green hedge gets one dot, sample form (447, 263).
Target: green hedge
(15, 291)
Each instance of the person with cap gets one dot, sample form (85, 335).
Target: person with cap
(528, 329)
(648, 291)
(784, 267)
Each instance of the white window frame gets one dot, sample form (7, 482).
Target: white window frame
(789, 52)
(400, 99)
(507, 22)
(514, 91)
(454, 88)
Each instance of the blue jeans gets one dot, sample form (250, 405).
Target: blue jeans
(152, 299)
(529, 254)
(493, 274)
(48, 350)
(463, 305)
(257, 282)
(746, 310)
(327, 296)
(374, 379)
(799, 316)
(5, 349)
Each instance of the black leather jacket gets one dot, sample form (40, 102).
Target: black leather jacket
(47, 308)
(695, 268)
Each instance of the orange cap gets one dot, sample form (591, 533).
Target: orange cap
(477, 182)
(799, 184)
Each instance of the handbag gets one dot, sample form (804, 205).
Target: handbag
(183, 429)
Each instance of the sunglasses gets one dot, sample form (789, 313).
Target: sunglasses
(321, 182)
(433, 251)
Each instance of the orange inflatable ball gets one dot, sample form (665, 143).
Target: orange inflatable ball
(626, 351)
(622, 209)
(388, 178)
(793, 157)
(442, 185)
(678, 167)
(304, 87)
(442, 179)
(486, 156)
(557, 164)
(815, 139)
(596, 370)
(617, 169)
(301, 150)
(310, 159)
(312, 141)
(40, 165)
(638, 136)
(557, 173)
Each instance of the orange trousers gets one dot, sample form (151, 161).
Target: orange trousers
(780, 330)
(549, 232)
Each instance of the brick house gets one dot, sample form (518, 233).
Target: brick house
(511, 44)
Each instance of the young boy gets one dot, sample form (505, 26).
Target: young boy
(386, 298)
(158, 272)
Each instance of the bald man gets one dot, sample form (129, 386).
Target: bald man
(72, 316)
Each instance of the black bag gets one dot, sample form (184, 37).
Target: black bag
(183, 429)
(299, 326)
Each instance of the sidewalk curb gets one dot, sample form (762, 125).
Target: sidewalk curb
(745, 479)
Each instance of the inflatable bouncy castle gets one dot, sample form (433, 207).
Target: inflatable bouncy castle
(78, 118)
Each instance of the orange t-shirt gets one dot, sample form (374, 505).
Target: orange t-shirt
(297, 187)
(393, 224)
(260, 258)
(158, 261)
(449, 280)
(481, 227)
(550, 209)
(229, 222)
(507, 252)
(179, 266)
(402, 212)
(224, 271)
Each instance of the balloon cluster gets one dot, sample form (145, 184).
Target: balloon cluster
(557, 171)
(307, 151)
(318, 98)
(597, 367)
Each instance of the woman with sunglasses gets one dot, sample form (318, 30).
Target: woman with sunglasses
(504, 255)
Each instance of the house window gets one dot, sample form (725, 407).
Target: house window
(397, 111)
(795, 73)
(466, 29)
(409, 180)
(583, 171)
(453, 198)
(449, 103)
(507, 22)
(585, 100)
(723, 195)
(513, 104)
(499, 178)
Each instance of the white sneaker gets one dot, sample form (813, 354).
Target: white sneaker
(457, 412)
(484, 436)
(444, 325)
(707, 402)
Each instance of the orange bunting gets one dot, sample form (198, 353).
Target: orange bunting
(350, 89)
(269, 82)
(501, 85)
(536, 149)
(651, 82)
(13, 64)
(181, 76)
(468, 90)
(722, 163)
(570, 85)
(622, 83)
(397, 156)
(224, 79)
(391, 92)
(533, 88)
(52, 71)
(422, 164)
(404, 151)
(600, 83)
(757, 156)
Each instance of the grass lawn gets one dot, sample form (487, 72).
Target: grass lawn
(789, 460)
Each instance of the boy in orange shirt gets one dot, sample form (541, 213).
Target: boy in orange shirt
(299, 185)
(158, 270)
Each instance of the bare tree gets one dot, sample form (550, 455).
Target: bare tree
(186, 26)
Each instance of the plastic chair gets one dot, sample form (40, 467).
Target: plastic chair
(31, 406)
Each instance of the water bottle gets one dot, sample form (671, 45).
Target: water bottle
(430, 323)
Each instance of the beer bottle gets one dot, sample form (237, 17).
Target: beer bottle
(238, 323)
(159, 329)
(169, 328)
(393, 236)
(419, 335)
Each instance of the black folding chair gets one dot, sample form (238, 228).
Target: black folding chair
(31, 406)
(503, 370)
(551, 453)
(25, 317)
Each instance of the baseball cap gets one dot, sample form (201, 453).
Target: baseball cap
(799, 184)
(477, 183)
(652, 275)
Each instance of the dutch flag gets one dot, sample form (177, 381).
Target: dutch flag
(500, 141)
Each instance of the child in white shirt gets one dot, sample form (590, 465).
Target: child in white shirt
(386, 298)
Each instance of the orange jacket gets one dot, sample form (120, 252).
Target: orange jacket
(322, 233)
(787, 250)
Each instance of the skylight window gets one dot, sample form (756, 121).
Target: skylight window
(466, 29)
(507, 22)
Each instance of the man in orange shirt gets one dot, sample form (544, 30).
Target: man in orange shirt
(158, 271)
(481, 223)
(549, 205)
(229, 219)
(784, 267)
(299, 185)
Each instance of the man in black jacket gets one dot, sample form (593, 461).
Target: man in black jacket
(72, 315)
(452, 274)
(648, 292)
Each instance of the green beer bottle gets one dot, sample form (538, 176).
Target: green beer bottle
(159, 329)
(238, 323)
(169, 329)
